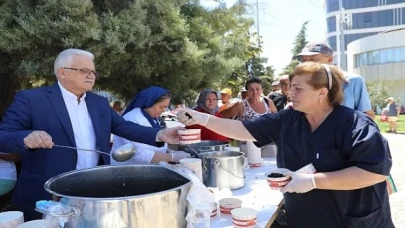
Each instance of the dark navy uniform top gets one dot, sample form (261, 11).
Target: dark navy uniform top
(346, 138)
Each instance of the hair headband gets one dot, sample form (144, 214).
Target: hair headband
(329, 73)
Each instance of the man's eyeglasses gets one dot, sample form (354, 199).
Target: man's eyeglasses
(84, 71)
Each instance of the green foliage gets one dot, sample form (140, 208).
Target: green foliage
(299, 44)
(378, 93)
(237, 79)
(177, 44)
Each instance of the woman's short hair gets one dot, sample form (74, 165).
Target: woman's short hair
(253, 80)
(319, 79)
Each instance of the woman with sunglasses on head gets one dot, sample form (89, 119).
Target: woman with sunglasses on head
(208, 103)
(351, 158)
(145, 109)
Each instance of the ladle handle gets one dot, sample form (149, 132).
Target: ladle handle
(74, 148)
(194, 151)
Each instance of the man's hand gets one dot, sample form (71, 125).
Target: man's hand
(169, 135)
(38, 139)
(190, 117)
(300, 183)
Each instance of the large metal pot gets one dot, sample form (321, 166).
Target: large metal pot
(223, 169)
(123, 196)
(204, 146)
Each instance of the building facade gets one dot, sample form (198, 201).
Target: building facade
(380, 58)
(362, 18)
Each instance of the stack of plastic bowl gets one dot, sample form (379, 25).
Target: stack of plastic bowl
(11, 219)
(226, 205)
(244, 217)
(214, 210)
(40, 223)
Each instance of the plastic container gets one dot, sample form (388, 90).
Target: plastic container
(189, 136)
(214, 210)
(276, 183)
(226, 205)
(244, 217)
(11, 219)
(40, 223)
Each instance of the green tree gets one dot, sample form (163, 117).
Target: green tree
(378, 93)
(299, 44)
(177, 44)
(33, 32)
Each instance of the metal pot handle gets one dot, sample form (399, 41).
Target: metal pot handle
(204, 165)
(245, 163)
(216, 162)
(74, 212)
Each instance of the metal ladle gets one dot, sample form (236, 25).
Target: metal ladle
(121, 154)
(194, 151)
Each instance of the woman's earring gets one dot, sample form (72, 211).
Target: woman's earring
(320, 101)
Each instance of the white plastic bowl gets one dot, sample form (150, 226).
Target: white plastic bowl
(189, 136)
(40, 223)
(11, 219)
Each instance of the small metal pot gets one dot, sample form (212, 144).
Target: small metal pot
(223, 169)
(123, 196)
(204, 146)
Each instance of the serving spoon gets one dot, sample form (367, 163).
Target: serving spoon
(121, 154)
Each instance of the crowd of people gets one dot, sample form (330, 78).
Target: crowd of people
(317, 115)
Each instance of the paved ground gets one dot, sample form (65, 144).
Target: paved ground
(397, 200)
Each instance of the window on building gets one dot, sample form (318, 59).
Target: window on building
(390, 55)
(397, 54)
(356, 61)
(376, 57)
(383, 56)
(332, 5)
(402, 51)
(369, 59)
(367, 19)
(363, 60)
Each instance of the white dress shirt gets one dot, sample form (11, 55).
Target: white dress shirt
(7, 170)
(83, 129)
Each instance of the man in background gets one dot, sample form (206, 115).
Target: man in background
(355, 90)
(279, 97)
(118, 106)
(243, 93)
(275, 86)
(226, 95)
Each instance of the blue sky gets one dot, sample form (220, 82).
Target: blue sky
(279, 23)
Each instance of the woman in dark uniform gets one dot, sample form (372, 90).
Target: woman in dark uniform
(345, 146)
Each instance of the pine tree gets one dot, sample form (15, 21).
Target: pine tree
(299, 44)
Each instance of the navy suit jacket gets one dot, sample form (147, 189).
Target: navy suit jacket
(43, 109)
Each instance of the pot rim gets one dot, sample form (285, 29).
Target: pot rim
(206, 155)
(108, 199)
(220, 143)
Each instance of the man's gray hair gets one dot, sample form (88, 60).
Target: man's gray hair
(65, 57)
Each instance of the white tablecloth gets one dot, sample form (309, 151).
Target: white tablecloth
(255, 194)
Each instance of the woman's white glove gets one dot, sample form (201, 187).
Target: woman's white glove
(178, 155)
(191, 117)
(300, 183)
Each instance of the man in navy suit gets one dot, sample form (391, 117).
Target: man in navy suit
(65, 113)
